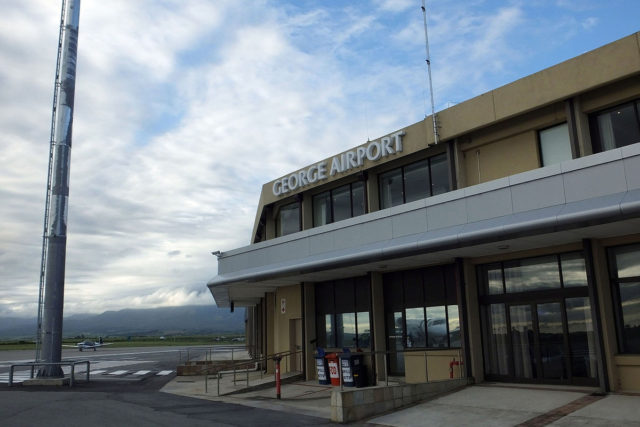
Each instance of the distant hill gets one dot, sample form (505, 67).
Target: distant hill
(192, 319)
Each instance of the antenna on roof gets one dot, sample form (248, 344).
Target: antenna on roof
(436, 137)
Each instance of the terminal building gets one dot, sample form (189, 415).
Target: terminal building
(511, 246)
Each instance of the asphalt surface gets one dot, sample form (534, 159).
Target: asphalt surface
(127, 399)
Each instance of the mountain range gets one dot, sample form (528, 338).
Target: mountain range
(192, 319)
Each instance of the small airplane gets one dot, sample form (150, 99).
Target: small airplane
(88, 344)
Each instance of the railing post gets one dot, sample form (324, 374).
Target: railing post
(277, 360)
(11, 376)
(386, 368)
(73, 368)
(88, 369)
(219, 376)
(247, 369)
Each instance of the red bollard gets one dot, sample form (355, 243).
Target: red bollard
(277, 360)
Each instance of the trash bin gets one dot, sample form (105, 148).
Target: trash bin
(354, 372)
(321, 367)
(332, 362)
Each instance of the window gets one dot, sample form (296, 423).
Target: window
(555, 145)
(339, 203)
(534, 274)
(625, 269)
(421, 308)
(616, 127)
(415, 181)
(342, 310)
(288, 219)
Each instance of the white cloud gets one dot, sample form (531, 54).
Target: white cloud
(185, 108)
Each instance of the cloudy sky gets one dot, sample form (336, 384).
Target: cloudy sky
(184, 108)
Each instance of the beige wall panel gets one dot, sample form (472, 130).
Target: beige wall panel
(628, 373)
(310, 330)
(473, 328)
(607, 317)
(610, 95)
(570, 77)
(293, 310)
(430, 365)
(489, 161)
(466, 116)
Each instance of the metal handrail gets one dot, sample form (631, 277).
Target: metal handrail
(72, 364)
(261, 361)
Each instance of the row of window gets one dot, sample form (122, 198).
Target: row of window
(612, 128)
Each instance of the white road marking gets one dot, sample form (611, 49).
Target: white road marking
(141, 373)
(162, 373)
(99, 371)
(117, 372)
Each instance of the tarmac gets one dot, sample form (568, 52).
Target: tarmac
(479, 405)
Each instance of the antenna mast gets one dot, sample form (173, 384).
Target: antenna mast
(436, 137)
(51, 297)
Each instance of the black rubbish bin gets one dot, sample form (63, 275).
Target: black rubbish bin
(354, 371)
(359, 371)
(322, 368)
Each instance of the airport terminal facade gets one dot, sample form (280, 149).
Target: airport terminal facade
(512, 245)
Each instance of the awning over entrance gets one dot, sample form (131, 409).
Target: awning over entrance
(542, 207)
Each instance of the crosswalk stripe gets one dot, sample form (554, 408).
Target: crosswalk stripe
(162, 373)
(141, 373)
(117, 372)
(99, 371)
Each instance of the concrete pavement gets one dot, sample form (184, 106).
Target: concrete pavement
(480, 405)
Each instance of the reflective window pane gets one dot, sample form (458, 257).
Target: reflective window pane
(618, 127)
(395, 331)
(627, 260)
(532, 274)
(581, 337)
(416, 181)
(364, 329)
(289, 219)
(522, 340)
(391, 189)
(328, 327)
(454, 326)
(357, 199)
(555, 146)
(345, 330)
(494, 279)
(497, 344)
(551, 340)
(321, 209)
(630, 301)
(341, 199)
(437, 335)
(439, 174)
(416, 336)
(574, 271)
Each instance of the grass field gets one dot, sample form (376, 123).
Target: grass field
(178, 340)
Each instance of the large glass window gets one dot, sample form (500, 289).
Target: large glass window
(415, 181)
(625, 262)
(288, 219)
(421, 308)
(616, 127)
(555, 145)
(339, 203)
(343, 313)
(536, 320)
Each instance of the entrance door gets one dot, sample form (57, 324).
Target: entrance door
(539, 341)
(295, 344)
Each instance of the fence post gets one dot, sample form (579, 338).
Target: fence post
(219, 376)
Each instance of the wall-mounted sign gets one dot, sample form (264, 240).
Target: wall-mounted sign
(373, 151)
(283, 305)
